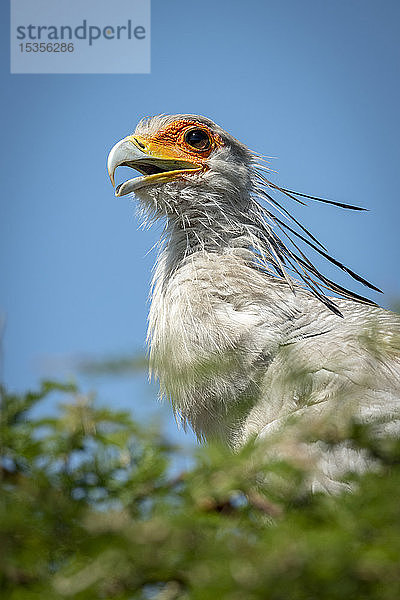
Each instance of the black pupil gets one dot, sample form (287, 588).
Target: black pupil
(198, 139)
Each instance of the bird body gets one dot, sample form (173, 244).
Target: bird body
(238, 344)
(237, 350)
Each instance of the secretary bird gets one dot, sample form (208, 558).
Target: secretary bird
(242, 335)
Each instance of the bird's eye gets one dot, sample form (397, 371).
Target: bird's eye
(198, 138)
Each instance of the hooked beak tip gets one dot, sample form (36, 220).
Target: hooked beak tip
(111, 168)
(123, 151)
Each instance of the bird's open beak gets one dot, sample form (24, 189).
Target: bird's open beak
(157, 164)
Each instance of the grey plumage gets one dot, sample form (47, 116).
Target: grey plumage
(242, 334)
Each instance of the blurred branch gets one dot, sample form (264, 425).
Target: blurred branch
(115, 524)
(120, 365)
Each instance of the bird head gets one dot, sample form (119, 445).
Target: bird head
(208, 185)
(181, 158)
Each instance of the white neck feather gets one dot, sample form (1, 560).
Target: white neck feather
(193, 340)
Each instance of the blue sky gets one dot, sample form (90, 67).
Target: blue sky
(314, 84)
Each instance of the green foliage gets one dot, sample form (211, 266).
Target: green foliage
(91, 508)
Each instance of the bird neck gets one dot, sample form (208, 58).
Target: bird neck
(213, 224)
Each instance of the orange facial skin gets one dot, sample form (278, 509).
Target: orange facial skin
(169, 143)
(176, 152)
